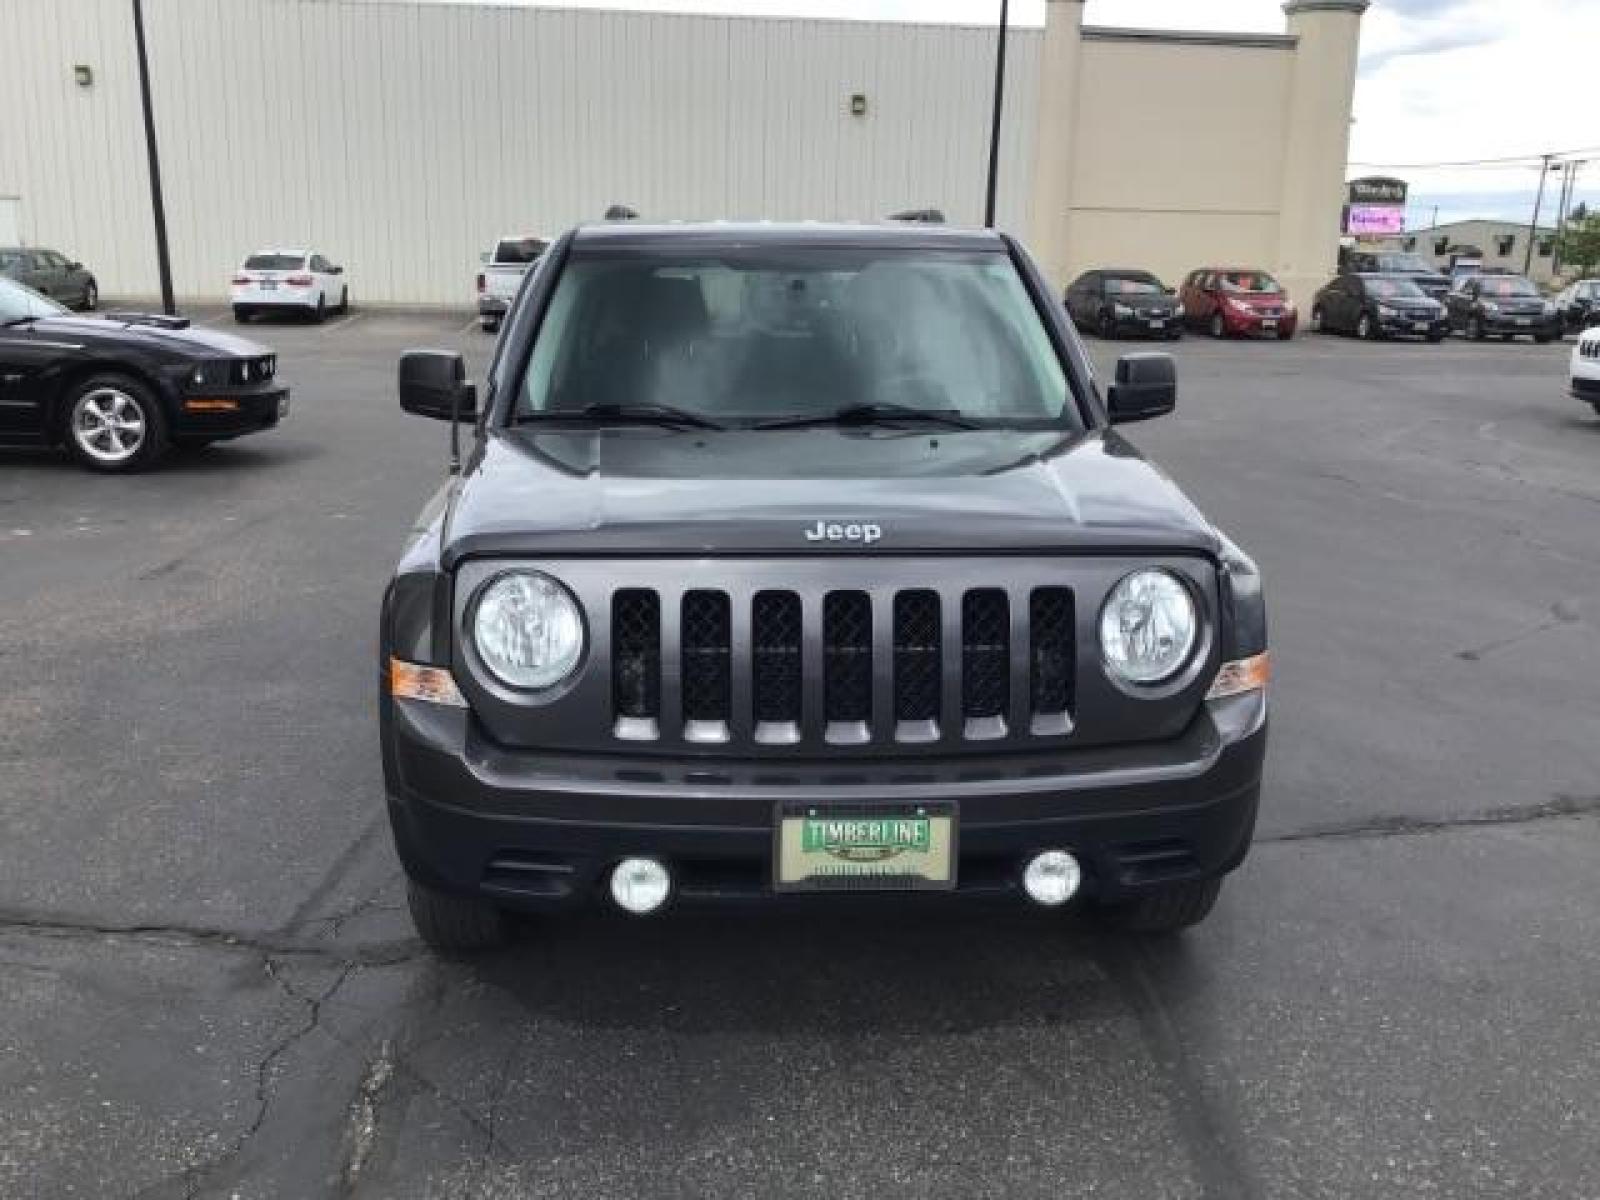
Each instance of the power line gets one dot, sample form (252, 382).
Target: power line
(1531, 160)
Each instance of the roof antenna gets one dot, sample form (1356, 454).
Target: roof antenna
(621, 212)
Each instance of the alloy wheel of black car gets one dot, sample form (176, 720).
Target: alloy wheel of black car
(1366, 329)
(114, 423)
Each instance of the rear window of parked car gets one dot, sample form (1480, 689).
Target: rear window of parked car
(274, 262)
(519, 250)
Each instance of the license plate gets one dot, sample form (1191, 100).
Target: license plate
(1419, 327)
(825, 847)
(1158, 324)
(268, 285)
(1524, 320)
(1269, 323)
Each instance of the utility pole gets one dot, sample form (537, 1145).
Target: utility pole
(1533, 225)
(999, 101)
(157, 206)
(1569, 188)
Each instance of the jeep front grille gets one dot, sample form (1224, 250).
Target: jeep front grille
(788, 670)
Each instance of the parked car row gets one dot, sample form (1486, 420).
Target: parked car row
(1224, 301)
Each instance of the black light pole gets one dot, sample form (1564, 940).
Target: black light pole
(157, 205)
(999, 101)
(1533, 225)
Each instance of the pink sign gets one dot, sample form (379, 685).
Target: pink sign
(1375, 220)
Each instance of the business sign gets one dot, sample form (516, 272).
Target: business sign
(1377, 190)
(1374, 220)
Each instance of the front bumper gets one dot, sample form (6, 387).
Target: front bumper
(278, 297)
(1410, 326)
(1155, 327)
(1243, 325)
(1532, 326)
(540, 831)
(492, 306)
(205, 413)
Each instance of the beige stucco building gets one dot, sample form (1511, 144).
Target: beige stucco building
(402, 136)
(1503, 246)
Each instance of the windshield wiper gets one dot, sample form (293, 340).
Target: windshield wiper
(17, 321)
(872, 414)
(641, 414)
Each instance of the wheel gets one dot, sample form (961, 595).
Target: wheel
(91, 296)
(1285, 332)
(454, 924)
(344, 301)
(1366, 328)
(1542, 339)
(1436, 338)
(1107, 327)
(1475, 328)
(1316, 320)
(1219, 327)
(241, 314)
(490, 324)
(114, 423)
(319, 314)
(1166, 910)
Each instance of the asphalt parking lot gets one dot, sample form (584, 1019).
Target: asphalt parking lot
(209, 987)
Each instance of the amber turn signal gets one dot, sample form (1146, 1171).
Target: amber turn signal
(1241, 675)
(412, 681)
(199, 406)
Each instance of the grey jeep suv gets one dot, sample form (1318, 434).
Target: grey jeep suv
(803, 563)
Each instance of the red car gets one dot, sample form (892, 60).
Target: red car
(1234, 301)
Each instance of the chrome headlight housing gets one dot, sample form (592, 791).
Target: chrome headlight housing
(1122, 310)
(528, 630)
(1149, 627)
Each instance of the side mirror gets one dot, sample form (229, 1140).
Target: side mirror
(1146, 386)
(434, 383)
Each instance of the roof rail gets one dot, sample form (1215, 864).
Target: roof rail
(621, 212)
(920, 216)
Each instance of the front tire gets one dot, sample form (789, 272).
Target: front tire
(319, 314)
(344, 302)
(1106, 328)
(1169, 909)
(1474, 328)
(1366, 328)
(452, 924)
(114, 424)
(490, 324)
(91, 296)
(1318, 323)
(242, 314)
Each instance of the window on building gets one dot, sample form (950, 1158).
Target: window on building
(1411, 243)
(1503, 244)
(1441, 245)
(1547, 247)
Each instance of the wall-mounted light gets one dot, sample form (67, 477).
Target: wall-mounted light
(83, 75)
(858, 104)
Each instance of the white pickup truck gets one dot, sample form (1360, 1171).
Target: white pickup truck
(500, 275)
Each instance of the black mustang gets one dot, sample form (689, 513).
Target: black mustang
(118, 390)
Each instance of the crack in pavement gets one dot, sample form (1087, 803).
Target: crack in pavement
(1561, 614)
(265, 943)
(1561, 807)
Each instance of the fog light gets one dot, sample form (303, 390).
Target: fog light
(1052, 878)
(640, 885)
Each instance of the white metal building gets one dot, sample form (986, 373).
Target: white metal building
(402, 136)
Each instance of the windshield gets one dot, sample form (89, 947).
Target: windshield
(1499, 288)
(1258, 282)
(18, 303)
(760, 333)
(1133, 285)
(11, 260)
(274, 262)
(1404, 262)
(519, 250)
(1589, 289)
(1386, 289)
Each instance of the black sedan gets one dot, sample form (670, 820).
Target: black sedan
(118, 391)
(1116, 302)
(1503, 306)
(1378, 306)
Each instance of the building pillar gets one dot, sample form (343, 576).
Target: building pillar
(1320, 95)
(1055, 138)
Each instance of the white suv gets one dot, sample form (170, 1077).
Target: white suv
(299, 281)
(1586, 367)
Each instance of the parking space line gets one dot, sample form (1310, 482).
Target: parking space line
(341, 324)
(469, 326)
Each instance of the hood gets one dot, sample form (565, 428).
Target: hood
(1410, 303)
(193, 342)
(1157, 301)
(1259, 300)
(655, 491)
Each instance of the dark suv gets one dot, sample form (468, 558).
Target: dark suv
(791, 561)
(1434, 283)
(1502, 305)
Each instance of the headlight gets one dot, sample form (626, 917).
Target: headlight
(1148, 627)
(1178, 312)
(1122, 310)
(1385, 311)
(528, 630)
(1489, 306)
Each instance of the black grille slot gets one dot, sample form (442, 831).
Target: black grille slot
(636, 653)
(985, 653)
(775, 655)
(1053, 654)
(916, 656)
(705, 636)
(847, 656)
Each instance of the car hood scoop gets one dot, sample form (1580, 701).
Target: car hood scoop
(656, 491)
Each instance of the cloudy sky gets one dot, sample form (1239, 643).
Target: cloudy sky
(1441, 80)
